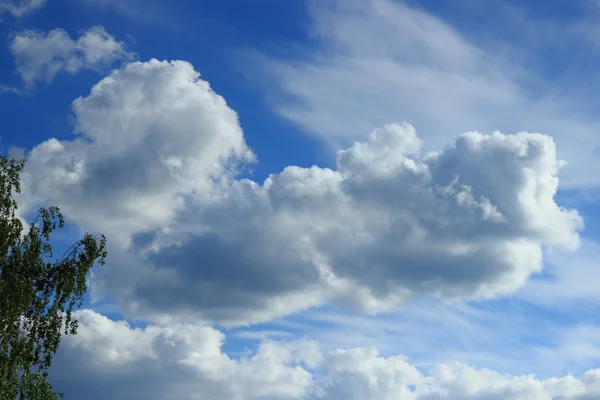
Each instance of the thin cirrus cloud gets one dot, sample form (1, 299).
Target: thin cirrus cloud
(130, 8)
(426, 72)
(19, 8)
(570, 281)
(156, 162)
(40, 56)
(155, 12)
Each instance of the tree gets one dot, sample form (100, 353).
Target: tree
(38, 292)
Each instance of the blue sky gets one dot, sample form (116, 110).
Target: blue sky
(318, 199)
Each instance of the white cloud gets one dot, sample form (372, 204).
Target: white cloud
(154, 169)
(187, 361)
(18, 8)
(148, 134)
(176, 362)
(389, 224)
(39, 56)
(363, 374)
(426, 73)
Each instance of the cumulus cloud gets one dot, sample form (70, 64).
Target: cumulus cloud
(146, 135)
(18, 8)
(363, 374)
(176, 362)
(154, 168)
(39, 56)
(188, 362)
(388, 224)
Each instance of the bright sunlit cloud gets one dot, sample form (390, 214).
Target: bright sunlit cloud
(429, 254)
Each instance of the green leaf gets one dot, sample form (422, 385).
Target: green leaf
(38, 292)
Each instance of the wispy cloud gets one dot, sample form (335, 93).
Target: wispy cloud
(147, 12)
(4, 89)
(507, 335)
(380, 61)
(19, 8)
(570, 281)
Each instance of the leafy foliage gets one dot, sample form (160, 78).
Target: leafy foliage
(38, 292)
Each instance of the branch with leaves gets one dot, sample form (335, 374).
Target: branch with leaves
(38, 293)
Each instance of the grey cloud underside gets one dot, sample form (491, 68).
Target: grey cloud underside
(215, 274)
(154, 168)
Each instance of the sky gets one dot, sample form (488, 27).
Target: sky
(317, 199)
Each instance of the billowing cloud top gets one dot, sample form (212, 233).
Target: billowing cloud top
(154, 167)
(147, 134)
